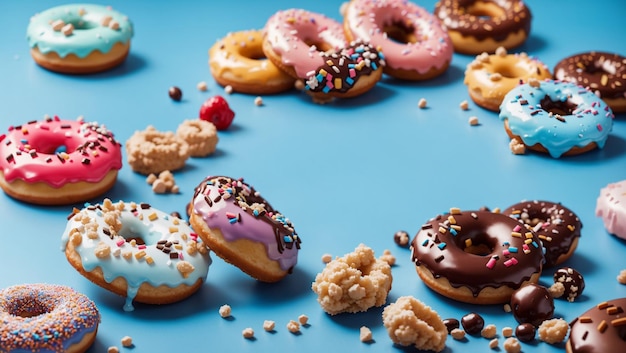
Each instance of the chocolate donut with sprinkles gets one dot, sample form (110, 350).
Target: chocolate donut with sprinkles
(601, 72)
(557, 227)
(600, 329)
(46, 318)
(477, 257)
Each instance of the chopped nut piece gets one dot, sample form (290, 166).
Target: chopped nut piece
(493, 344)
(556, 290)
(258, 101)
(248, 332)
(293, 326)
(507, 332)
(621, 278)
(225, 311)
(457, 334)
(113, 349)
(228, 89)
(464, 105)
(57, 25)
(326, 258)
(68, 29)
(489, 331)
(303, 319)
(365, 334)
(517, 147)
(202, 86)
(553, 331)
(473, 120)
(127, 341)
(269, 325)
(388, 257)
(511, 345)
(422, 103)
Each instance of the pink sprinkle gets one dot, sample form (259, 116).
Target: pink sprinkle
(491, 263)
(506, 252)
(44, 127)
(329, 85)
(180, 256)
(510, 262)
(525, 248)
(599, 127)
(352, 73)
(517, 228)
(120, 242)
(193, 236)
(329, 77)
(141, 247)
(231, 215)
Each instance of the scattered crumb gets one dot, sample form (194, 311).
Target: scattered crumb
(298, 85)
(553, 331)
(228, 89)
(410, 322)
(473, 120)
(507, 308)
(388, 257)
(457, 334)
(113, 349)
(293, 326)
(365, 334)
(493, 344)
(200, 135)
(303, 319)
(422, 103)
(464, 105)
(517, 147)
(511, 345)
(489, 331)
(258, 101)
(202, 86)
(621, 278)
(326, 258)
(127, 341)
(269, 325)
(501, 51)
(507, 332)
(164, 183)
(225, 311)
(153, 151)
(533, 82)
(247, 332)
(556, 290)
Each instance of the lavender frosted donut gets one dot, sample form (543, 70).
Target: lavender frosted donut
(46, 318)
(242, 228)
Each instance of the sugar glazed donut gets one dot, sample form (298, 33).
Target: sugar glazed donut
(611, 207)
(555, 117)
(235, 61)
(476, 257)
(136, 251)
(56, 162)
(490, 77)
(557, 227)
(413, 41)
(79, 38)
(602, 73)
(599, 329)
(46, 318)
(242, 228)
(477, 26)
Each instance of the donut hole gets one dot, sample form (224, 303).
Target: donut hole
(510, 71)
(565, 107)
(27, 307)
(82, 25)
(480, 244)
(401, 32)
(484, 10)
(134, 229)
(319, 45)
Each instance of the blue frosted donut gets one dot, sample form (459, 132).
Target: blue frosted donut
(556, 117)
(79, 38)
(46, 318)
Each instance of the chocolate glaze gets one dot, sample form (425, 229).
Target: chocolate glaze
(473, 323)
(556, 225)
(437, 248)
(532, 304)
(525, 332)
(572, 281)
(451, 324)
(589, 334)
(603, 73)
(456, 15)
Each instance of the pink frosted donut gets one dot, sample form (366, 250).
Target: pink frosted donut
(415, 44)
(611, 206)
(56, 161)
(295, 38)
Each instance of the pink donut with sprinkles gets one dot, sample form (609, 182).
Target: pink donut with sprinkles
(46, 318)
(415, 44)
(57, 162)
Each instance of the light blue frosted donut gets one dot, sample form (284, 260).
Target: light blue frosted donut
(588, 118)
(88, 35)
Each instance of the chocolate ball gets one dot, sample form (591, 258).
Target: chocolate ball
(175, 93)
(525, 332)
(572, 281)
(451, 324)
(532, 304)
(402, 238)
(472, 323)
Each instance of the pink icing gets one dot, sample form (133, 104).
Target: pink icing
(367, 18)
(28, 152)
(611, 206)
(259, 228)
(293, 33)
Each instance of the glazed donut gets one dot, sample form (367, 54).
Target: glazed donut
(477, 26)
(235, 61)
(242, 228)
(490, 77)
(611, 206)
(151, 151)
(599, 329)
(57, 162)
(557, 227)
(555, 117)
(79, 38)
(413, 41)
(136, 251)
(46, 318)
(602, 73)
(477, 257)
(200, 135)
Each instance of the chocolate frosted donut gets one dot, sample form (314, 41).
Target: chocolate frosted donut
(476, 256)
(600, 329)
(603, 73)
(556, 225)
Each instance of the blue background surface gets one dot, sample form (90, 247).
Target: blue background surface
(350, 172)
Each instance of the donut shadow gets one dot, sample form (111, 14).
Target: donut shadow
(378, 93)
(292, 286)
(133, 63)
(412, 349)
(615, 147)
(371, 318)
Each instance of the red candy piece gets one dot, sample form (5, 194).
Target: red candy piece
(217, 111)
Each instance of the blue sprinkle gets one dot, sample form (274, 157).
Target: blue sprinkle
(351, 66)
(506, 243)
(287, 239)
(535, 244)
(60, 149)
(232, 220)
(319, 77)
(513, 249)
(374, 66)
(326, 89)
(425, 242)
(453, 231)
(381, 55)
(255, 212)
(349, 81)
(441, 245)
(359, 50)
